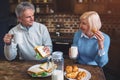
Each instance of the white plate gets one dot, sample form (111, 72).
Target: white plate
(37, 66)
(88, 76)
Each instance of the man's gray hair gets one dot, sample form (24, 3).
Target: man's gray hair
(22, 7)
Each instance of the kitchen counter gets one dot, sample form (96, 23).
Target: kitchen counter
(62, 42)
(17, 70)
(64, 37)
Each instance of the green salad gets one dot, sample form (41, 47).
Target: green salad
(43, 74)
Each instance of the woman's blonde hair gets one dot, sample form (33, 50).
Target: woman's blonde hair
(93, 18)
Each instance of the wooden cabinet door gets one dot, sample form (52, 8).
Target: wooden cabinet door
(113, 7)
(98, 5)
(63, 6)
(80, 7)
(88, 5)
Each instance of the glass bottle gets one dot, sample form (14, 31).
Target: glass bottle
(37, 9)
(30, 1)
(19, 1)
(45, 1)
(80, 1)
(37, 1)
(58, 60)
(47, 9)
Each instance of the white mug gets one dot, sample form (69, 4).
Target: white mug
(73, 52)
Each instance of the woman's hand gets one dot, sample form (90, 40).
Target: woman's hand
(100, 39)
(7, 39)
(69, 52)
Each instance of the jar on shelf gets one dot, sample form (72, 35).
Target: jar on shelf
(37, 9)
(47, 9)
(45, 1)
(19, 1)
(37, 1)
(50, 0)
(30, 1)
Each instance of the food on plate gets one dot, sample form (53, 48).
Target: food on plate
(40, 52)
(73, 72)
(75, 68)
(35, 70)
(68, 69)
(41, 70)
(72, 75)
(47, 66)
(94, 30)
(81, 75)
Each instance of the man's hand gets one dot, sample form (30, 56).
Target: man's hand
(47, 50)
(7, 38)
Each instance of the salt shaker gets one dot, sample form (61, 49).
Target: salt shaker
(58, 60)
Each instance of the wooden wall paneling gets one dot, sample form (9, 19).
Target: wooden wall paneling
(113, 7)
(81, 7)
(114, 60)
(111, 26)
(64, 6)
(87, 5)
(98, 5)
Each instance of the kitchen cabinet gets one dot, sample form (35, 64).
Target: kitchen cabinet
(41, 6)
(113, 7)
(61, 46)
(103, 7)
(44, 7)
(13, 4)
(98, 5)
(81, 6)
(64, 6)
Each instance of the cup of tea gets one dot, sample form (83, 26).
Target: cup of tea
(73, 52)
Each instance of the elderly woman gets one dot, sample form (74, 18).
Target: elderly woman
(93, 44)
(24, 37)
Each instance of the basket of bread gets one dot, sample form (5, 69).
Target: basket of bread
(75, 73)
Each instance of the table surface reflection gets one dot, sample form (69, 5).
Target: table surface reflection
(17, 70)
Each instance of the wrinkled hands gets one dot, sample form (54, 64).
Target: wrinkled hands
(100, 39)
(7, 38)
(47, 50)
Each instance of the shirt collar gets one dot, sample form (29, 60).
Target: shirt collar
(84, 35)
(24, 28)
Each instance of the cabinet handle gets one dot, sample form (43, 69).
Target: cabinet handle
(62, 43)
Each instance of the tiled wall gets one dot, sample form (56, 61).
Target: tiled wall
(64, 23)
(111, 26)
(69, 23)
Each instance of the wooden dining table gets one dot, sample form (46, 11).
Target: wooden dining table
(17, 70)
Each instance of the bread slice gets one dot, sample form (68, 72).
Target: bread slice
(39, 49)
(94, 30)
(35, 70)
(47, 66)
